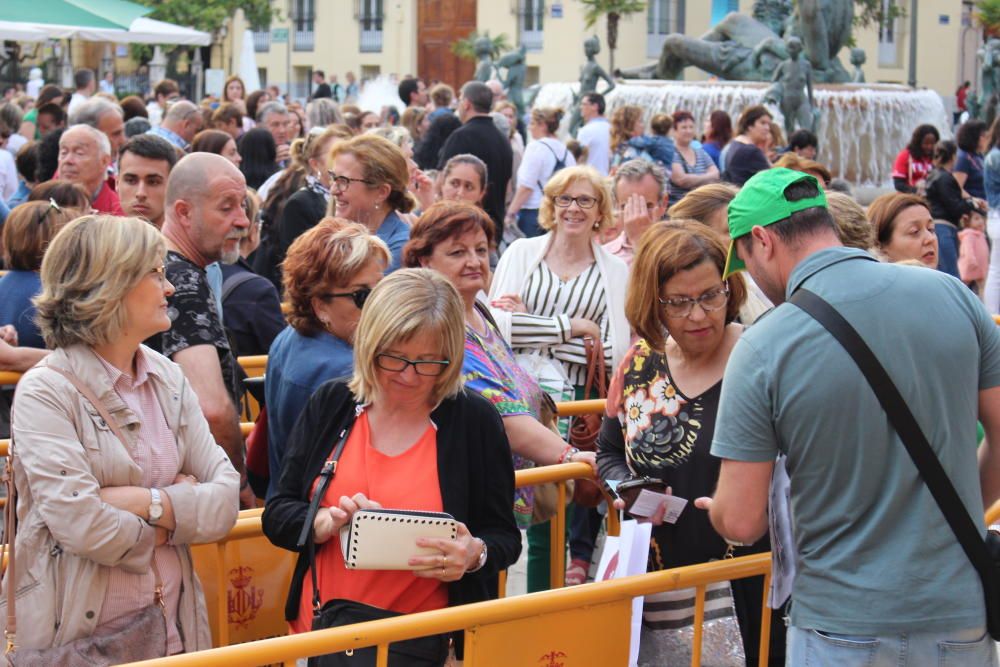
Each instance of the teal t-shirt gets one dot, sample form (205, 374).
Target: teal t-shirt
(874, 553)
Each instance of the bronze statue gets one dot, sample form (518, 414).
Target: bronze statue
(517, 71)
(792, 78)
(590, 75)
(484, 52)
(990, 75)
(858, 58)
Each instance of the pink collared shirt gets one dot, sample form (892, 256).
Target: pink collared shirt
(621, 248)
(156, 454)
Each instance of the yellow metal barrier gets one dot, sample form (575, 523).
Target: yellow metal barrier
(580, 625)
(9, 378)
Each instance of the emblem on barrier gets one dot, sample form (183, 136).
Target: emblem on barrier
(552, 659)
(245, 601)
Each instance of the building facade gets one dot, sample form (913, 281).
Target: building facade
(933, 46)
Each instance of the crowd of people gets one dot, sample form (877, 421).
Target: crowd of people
(424, 285)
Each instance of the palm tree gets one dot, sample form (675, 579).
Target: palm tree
(988, 16)
(593, 10)
(466, 48)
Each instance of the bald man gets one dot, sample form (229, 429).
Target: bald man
(84, 157)
(182, 121)
(204, 222)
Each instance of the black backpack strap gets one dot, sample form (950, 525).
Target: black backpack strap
(230, 284)
(909, 431)
(560, 164)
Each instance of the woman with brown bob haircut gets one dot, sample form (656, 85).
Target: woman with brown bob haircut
(664, 399)
(454, 238)
(27, 233)
(904, 229)
(328, 274)
(369, 180)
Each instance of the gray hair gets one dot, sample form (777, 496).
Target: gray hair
(501, 123)
(91, 112)
(273, 107)
(323, 112)
(635, 170)
(180, 111)
(103, 144)
(10, 116)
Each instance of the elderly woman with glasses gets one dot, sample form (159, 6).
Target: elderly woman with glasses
(413, 439)
(108, 506)
(664, 399)
(328, 273)
(369, 180)
(551, 292)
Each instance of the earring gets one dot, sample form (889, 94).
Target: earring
(376, 206)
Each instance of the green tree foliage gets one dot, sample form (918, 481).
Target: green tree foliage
(466, 48)
(873, 13)
(204, 15)
(614, 10)
(988, 15)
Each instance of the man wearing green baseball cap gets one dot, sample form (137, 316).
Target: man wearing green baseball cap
(881, 579)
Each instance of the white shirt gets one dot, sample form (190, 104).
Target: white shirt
(75, 101)
(539, 160)
(265, 187)
(596, 136)
(8, 175)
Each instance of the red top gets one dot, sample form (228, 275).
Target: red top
(406, 481)
(960, 97)
(912, 170)
(107, 201)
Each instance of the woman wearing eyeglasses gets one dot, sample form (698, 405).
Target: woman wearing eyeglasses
(328, 273)
(664, 399)
(369, 179)
(551, 291)
(415, 439)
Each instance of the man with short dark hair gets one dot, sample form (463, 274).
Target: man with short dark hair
(480, 137)
(881, 579)
(413, 92)
(183, 121)
(595, 135)
(204, 223)
(50, 117)
(144, 166)
(86, 85)
(804, 144)
(322, 87)
(165, 92)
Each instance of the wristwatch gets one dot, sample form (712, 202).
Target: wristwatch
(482, 557)
(155, 508)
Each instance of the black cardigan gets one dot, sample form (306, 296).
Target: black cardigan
(475, 470)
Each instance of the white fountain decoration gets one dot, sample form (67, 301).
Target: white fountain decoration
(862, 127)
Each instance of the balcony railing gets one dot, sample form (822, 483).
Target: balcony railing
(371, 38)
(305, 40)
(261, 40)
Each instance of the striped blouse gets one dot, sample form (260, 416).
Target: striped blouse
(551, 303)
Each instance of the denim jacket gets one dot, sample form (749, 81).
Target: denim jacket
(991, 177)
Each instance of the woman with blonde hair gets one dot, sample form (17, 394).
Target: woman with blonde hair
(552, 292)
(543, 157)
(328, 274)
(116, 521)
(412, 439)
(370, 184)
(626, 123)
(298, 200)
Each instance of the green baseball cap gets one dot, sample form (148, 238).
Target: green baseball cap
(761, 202)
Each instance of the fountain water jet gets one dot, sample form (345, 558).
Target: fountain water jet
(861, 129)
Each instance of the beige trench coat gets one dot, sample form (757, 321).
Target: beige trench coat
(67, 539)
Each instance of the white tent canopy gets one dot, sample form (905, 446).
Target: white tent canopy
(141, 31)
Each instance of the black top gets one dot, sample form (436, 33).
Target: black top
(474, 470)
(945, 197)
(659, 432)
(195, 320)
(251, 309)
(480, 137)
(742, 162)
(301, 212)
(322, 90)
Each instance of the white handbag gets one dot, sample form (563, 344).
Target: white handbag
(386, 539)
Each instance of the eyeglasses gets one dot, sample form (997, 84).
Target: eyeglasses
(394, 364)
(160, 273)
(583, 201)
(359, 296)
(341, 183)
(682, 306)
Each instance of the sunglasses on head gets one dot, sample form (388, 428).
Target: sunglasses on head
(359, 296)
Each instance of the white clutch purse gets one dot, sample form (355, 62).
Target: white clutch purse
(385, 539)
